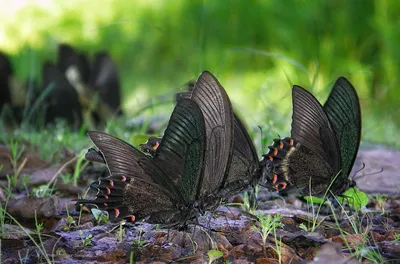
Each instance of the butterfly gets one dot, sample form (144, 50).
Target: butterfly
(323, 145)
(244, 171)
(137, 187)
(188, 173)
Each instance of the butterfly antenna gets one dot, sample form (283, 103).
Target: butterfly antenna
(261, 138)
(362, 167)
(369, 174)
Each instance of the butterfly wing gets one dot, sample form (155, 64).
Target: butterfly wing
(311, 127)
(139, 186)
(218, 115)
(244, 160)
(134, 198)
(123, 159)
(343, 110)
(182, 149)
(243, 170)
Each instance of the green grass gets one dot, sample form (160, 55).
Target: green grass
(258, 50)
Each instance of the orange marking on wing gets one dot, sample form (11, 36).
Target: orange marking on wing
(270, 158)
(106, 197)
(132, 218)
(156, 145)
(291, 142)
(116, 212)
(108, 190)
(280, 144)
(123, 178)
(111, 183)
(275, 178)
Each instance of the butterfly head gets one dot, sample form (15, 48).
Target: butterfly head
(150, 146)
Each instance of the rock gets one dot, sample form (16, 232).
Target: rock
(30, 207)
(374, 161)
(330, 254)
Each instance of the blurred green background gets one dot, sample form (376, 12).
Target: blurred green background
(257, 49)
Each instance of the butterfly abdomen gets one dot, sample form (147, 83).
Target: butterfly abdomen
(275, 169)
(290, 165)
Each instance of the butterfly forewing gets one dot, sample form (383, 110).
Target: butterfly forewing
(181, 151)
(244, 164)
(218, 115)
(311, 127)
(343, 110)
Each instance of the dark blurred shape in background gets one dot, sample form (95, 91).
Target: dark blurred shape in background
(5, 75)
(72, 90)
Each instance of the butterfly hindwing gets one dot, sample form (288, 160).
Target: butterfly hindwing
(243, 170)
(124, 159)
(343, 110)
(124, 197)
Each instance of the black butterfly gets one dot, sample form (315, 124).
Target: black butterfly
(244, 170)
(324, 143)
(189, 171)
(138, 187)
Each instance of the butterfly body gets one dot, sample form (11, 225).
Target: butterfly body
(323, 144)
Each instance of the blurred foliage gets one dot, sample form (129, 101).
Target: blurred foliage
(258, 49)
